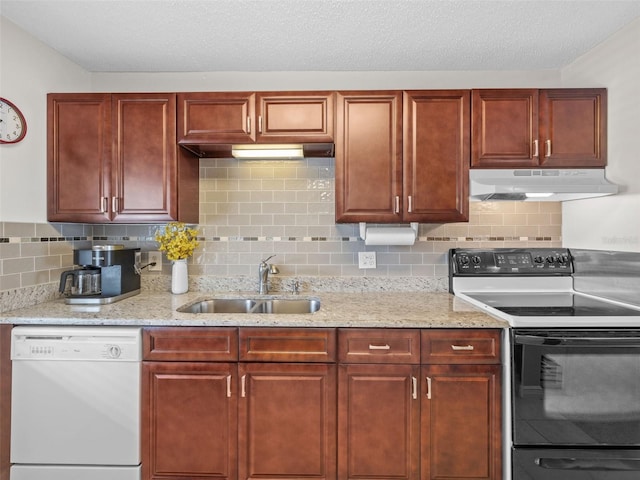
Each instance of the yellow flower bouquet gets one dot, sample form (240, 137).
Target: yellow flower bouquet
(177, 240)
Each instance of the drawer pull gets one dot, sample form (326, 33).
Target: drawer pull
(462, 347)
(428, 388)
(379, 347)
(228, 386)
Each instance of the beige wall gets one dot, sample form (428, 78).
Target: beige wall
(28, 71)
(612, 223)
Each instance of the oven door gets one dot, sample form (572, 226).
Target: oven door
(576, 388)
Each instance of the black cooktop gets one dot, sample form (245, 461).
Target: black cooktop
(559, 304)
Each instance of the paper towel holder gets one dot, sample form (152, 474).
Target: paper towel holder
(363, 230)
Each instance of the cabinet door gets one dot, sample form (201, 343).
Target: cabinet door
(78, 157)
(573, 127)
(369, 157)
(295, 117)
(287, 421)
(378, 422)
(461, 426)
(216, 117)
(189, 421)
(144, 167)
(436, 145)
(5, 399)
(504, 128)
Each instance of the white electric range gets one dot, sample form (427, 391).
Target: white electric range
(571, 397)
(535, 288)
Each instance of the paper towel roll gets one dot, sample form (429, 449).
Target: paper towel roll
(390, 236)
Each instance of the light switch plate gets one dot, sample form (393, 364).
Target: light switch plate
(366, 259)
(155, 257)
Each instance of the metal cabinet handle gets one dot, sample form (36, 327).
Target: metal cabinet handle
(228, 386)
(379, 347)
(410, 209)
(414, 388)
(114, 204)
(248, 124)
(260, 124)
(397, 203)
(462, 347)
(536, 152)
(104, 204)
(428, 388)
(243, 382)
(547, 148)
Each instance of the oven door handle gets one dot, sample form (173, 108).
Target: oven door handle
(578, 342)
(585, 464)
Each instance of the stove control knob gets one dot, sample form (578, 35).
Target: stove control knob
(476, 260)
(538, 259)
(562, 259)
(551, 259)
(464, 261)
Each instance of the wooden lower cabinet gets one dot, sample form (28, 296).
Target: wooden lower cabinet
(366, 404)
(287, 421)
(461, 422)
(189, 421)
(378, 422)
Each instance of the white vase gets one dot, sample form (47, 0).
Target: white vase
(179, 277)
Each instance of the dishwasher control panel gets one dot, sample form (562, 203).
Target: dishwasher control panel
(76, 343)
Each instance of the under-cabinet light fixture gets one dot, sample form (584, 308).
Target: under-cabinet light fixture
(267, 151)
(538, 195)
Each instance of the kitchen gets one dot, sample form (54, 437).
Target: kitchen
(37, 265)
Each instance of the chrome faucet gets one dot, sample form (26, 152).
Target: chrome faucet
(264, 269)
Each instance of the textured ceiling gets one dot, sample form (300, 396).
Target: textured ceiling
(320, 35)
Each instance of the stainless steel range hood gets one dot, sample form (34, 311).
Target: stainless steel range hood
(555, 185)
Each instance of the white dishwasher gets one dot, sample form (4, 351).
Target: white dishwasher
(75, 403)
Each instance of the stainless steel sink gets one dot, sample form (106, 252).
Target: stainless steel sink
(253, 305)
(219, 305)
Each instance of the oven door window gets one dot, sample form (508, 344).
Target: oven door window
(574, 390)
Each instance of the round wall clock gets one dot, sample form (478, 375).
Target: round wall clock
(13, 126)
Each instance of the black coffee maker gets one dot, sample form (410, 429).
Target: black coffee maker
(107, 273)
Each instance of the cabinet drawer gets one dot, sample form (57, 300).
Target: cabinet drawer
(190, 344)
(379, 346)
(460, 346)
(288, 344)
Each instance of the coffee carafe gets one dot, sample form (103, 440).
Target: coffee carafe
(84, 281)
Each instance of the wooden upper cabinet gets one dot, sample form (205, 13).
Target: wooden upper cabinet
(436, 144)
(248, 117)
(573, 126)
(505, 128)
(78, 157)
(210, 117)
(113, 159)
(368, 157)
(285, 117)
(144, 158)
(558, 128)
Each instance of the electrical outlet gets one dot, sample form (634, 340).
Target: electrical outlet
(366, 259)
(155, 257)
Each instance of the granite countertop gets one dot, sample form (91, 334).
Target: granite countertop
(379, 309)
